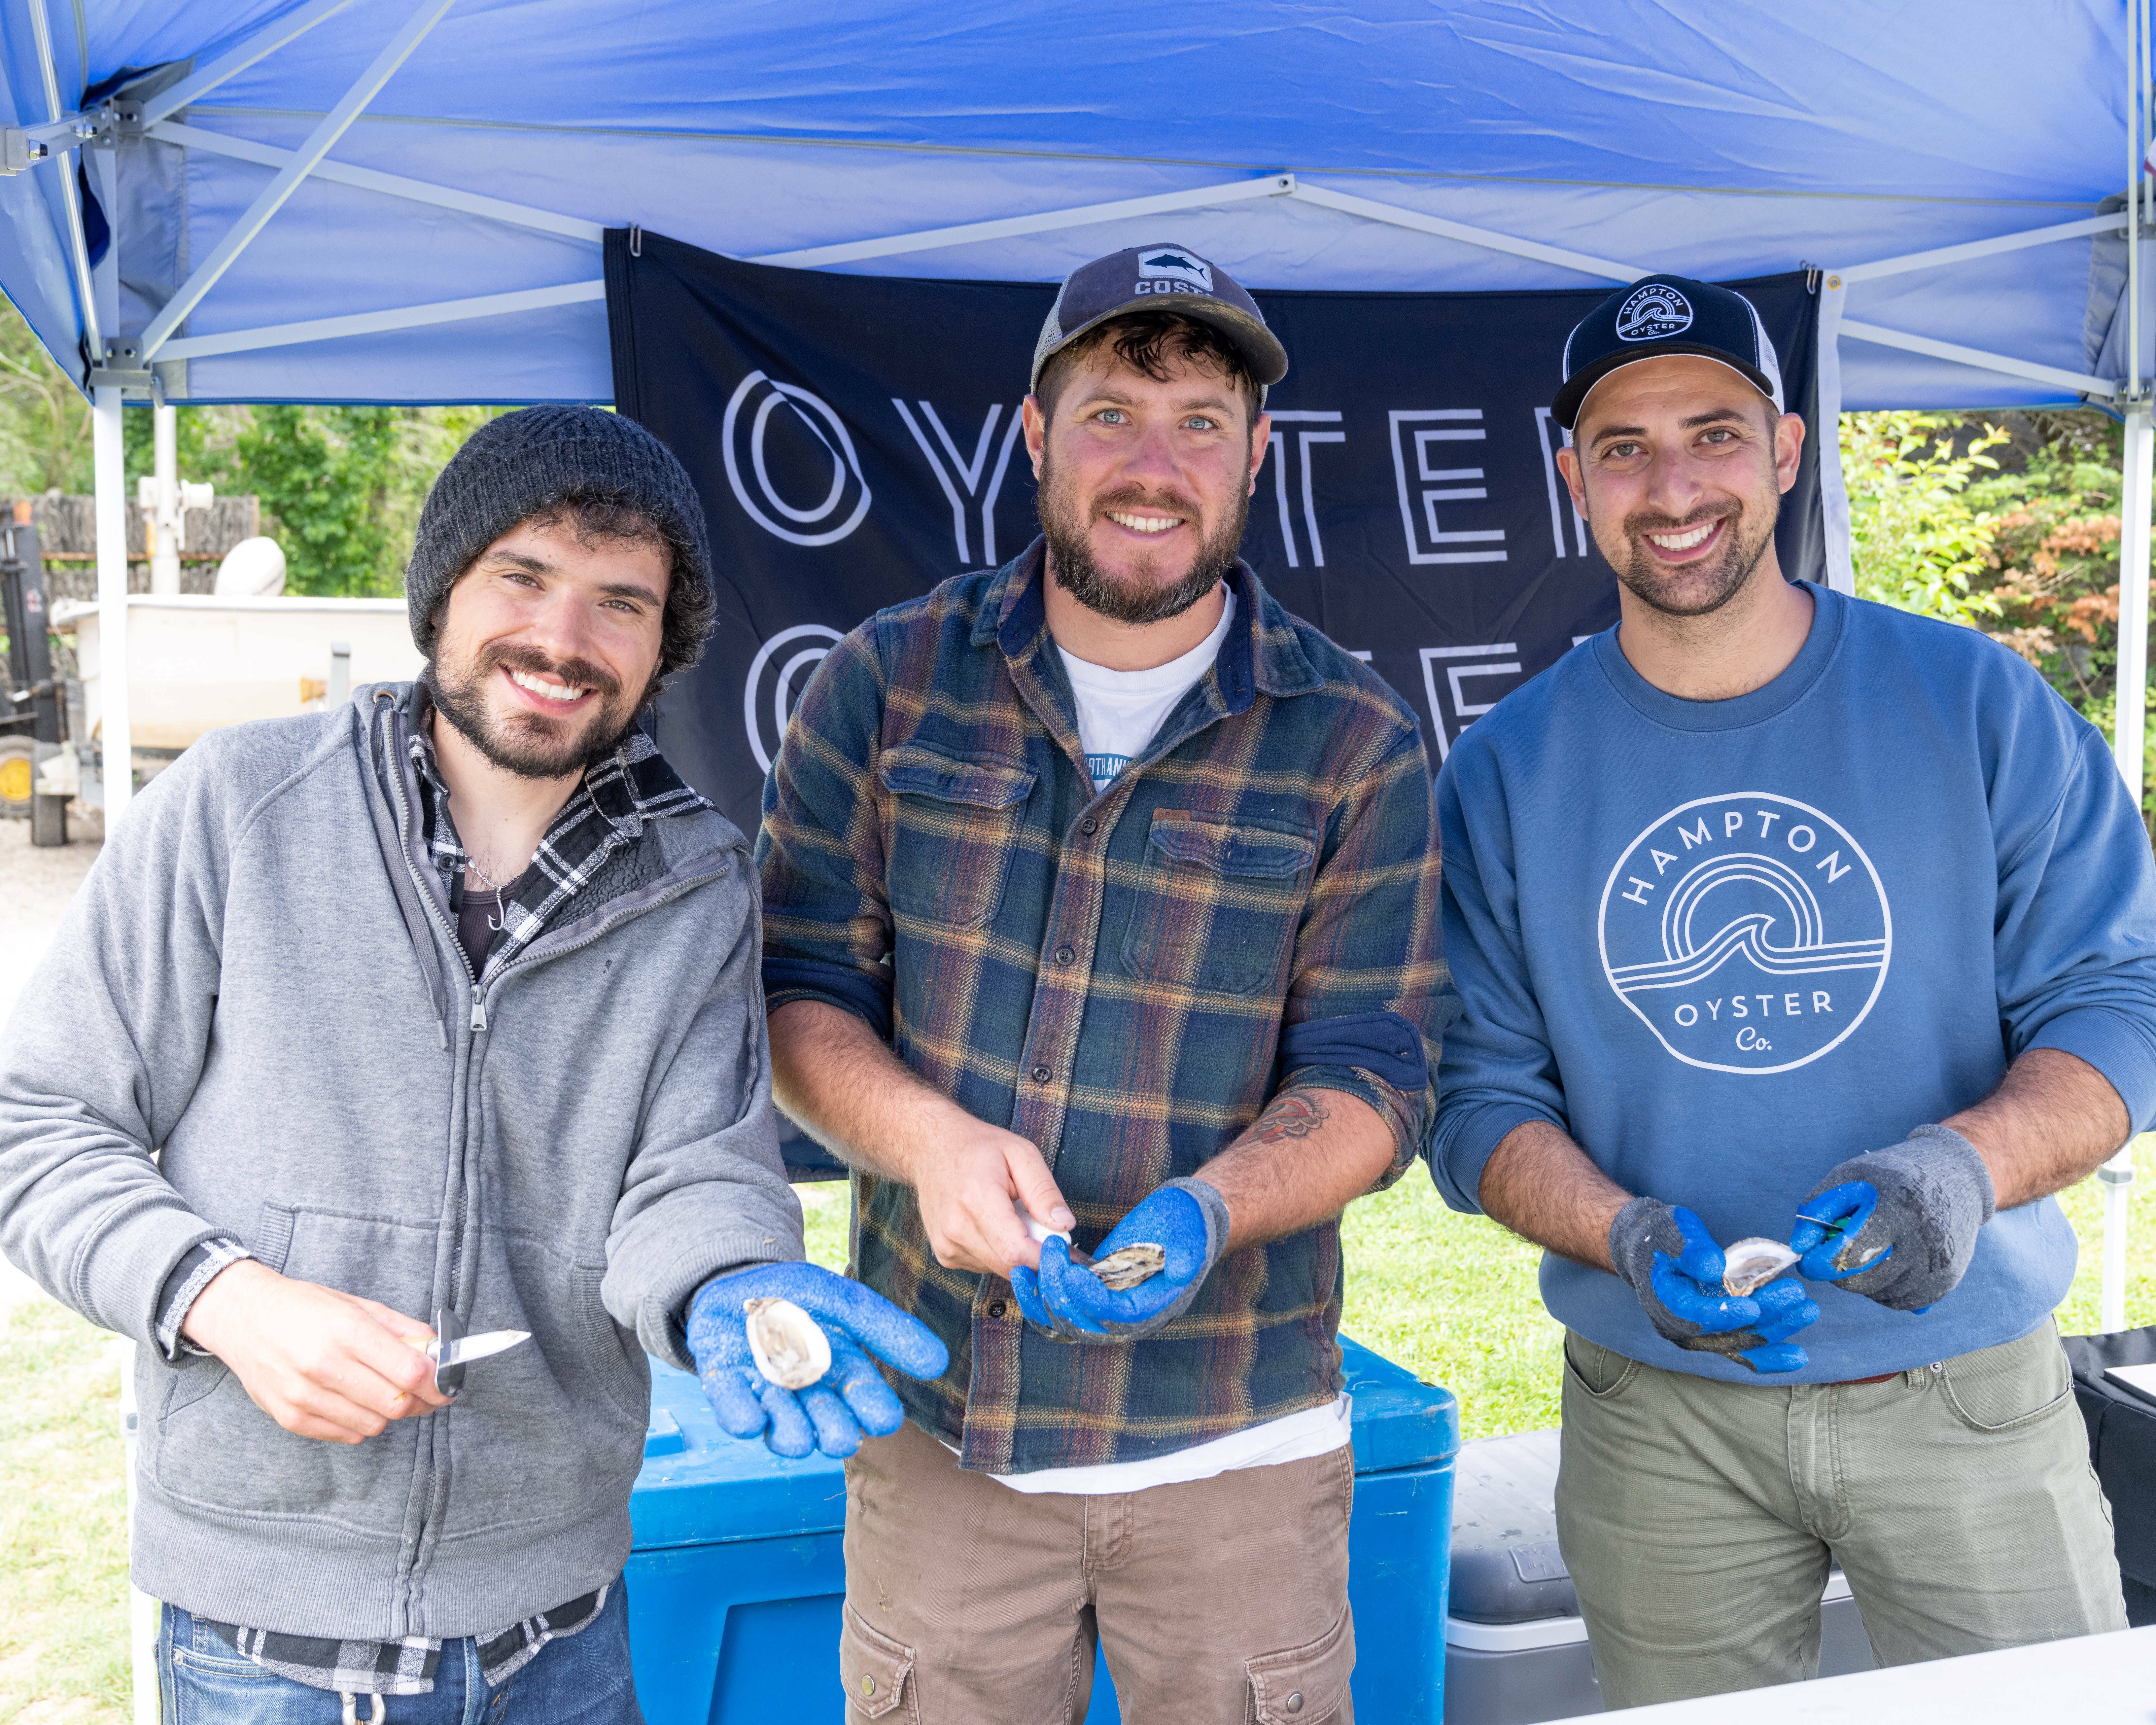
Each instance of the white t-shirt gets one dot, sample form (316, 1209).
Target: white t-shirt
(1315, 1431)
(1119, 711)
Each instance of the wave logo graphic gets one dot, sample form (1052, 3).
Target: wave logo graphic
(1750, 933)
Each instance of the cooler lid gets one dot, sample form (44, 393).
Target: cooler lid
(1506, 1565)
(700, 1486)
(1399, 1420)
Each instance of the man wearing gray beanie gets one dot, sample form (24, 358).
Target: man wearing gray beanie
(397, 1081)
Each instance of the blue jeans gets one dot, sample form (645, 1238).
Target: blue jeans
(584, 1679)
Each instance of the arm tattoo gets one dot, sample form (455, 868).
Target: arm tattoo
(1296, 1114)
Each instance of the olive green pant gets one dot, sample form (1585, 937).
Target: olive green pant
(1699, 1518)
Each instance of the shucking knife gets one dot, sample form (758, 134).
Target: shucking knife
(452, 1349)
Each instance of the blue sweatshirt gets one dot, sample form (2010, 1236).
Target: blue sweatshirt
(1727, 944)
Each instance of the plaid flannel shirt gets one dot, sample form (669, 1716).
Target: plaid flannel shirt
(1125, 975)
(609, 810)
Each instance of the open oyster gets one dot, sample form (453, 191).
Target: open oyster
(789, 1347)
(1750, 1264)
(1132, 1264)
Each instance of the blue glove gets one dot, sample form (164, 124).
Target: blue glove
(1898, 1225)
(1188, 1219)
(847, 1403)
(1673, 1265)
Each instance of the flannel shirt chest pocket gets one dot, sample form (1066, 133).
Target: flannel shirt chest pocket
(954, 822)
(1219, 903)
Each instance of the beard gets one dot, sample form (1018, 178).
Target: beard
(1693, 590)
(530, 745)
(1143, 596)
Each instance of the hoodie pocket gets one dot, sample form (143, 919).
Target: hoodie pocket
(216, 1449)
(571, 1404)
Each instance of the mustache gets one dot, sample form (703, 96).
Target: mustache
(1137, 497)
(574, 673)
(1654, 521)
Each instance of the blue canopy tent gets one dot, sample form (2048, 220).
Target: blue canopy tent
(401, 201)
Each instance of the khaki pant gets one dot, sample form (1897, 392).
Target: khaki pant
(1698, 1518)
(1221, 1602)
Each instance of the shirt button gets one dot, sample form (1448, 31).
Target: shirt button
(1041, 1074)
(1295, 1702)
(996, 1308)
(1089, 825)
(1064, 955)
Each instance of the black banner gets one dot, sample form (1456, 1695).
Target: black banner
(856, 440)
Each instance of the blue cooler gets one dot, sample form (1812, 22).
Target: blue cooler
(737, 1574)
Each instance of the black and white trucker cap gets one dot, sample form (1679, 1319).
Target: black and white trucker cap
(1667, 314)
(1161, 278)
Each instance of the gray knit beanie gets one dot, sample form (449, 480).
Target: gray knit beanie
(524, 462)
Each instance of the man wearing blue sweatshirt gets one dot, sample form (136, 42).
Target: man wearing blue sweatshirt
(1777, 913)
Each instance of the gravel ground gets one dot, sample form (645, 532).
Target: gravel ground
(35, 887)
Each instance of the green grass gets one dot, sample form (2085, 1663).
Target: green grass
(63, 1522)
(1451, 1298)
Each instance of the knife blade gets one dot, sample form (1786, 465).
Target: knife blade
(452, 1350)
(465, 1350)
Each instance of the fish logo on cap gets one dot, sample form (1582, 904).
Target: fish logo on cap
(1171, 265)
(1655, 313)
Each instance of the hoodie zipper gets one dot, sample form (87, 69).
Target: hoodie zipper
(479, 1015)
(396, 769)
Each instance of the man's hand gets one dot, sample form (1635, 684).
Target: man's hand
(1673, 1265)
(969, 1183)
(1188, 1219)
(322, 1364)
(849, 1402)
(830, 1072)
(1898, 1226)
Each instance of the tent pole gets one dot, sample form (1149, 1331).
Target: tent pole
(115, 725)
(164, 489)
(2116, 1176)
(1826, 427)
(2131, 685)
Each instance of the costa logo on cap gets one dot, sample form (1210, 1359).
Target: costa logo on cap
(1169, 271)
(1132, 279)
(1656, 312)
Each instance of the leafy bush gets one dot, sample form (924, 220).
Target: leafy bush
(2024, 548)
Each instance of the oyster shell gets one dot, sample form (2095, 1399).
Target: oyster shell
(1131, 1266)
(789, 1347)
(1750, 1264)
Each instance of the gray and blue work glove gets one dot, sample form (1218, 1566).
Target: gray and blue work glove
(849, 1402)
(1186, 1219)
(1673, 1265)
(1899, 1225)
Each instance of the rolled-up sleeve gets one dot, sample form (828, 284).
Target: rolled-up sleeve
(826, 925)
(1498, 1071)
(2075, 939)
(1366, 1005)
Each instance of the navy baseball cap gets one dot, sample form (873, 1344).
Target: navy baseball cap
(1161, 278)
(1667, 314)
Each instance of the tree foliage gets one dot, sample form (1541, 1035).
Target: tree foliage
(1918, 538)
(2023, 544)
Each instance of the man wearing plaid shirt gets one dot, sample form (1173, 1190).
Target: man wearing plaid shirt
(1100, 896)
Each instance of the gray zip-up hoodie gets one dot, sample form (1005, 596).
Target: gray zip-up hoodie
(259, 982)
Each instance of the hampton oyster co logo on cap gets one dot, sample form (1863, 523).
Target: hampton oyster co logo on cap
(1168, 270)
(1750, 933)
(1655, 313)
